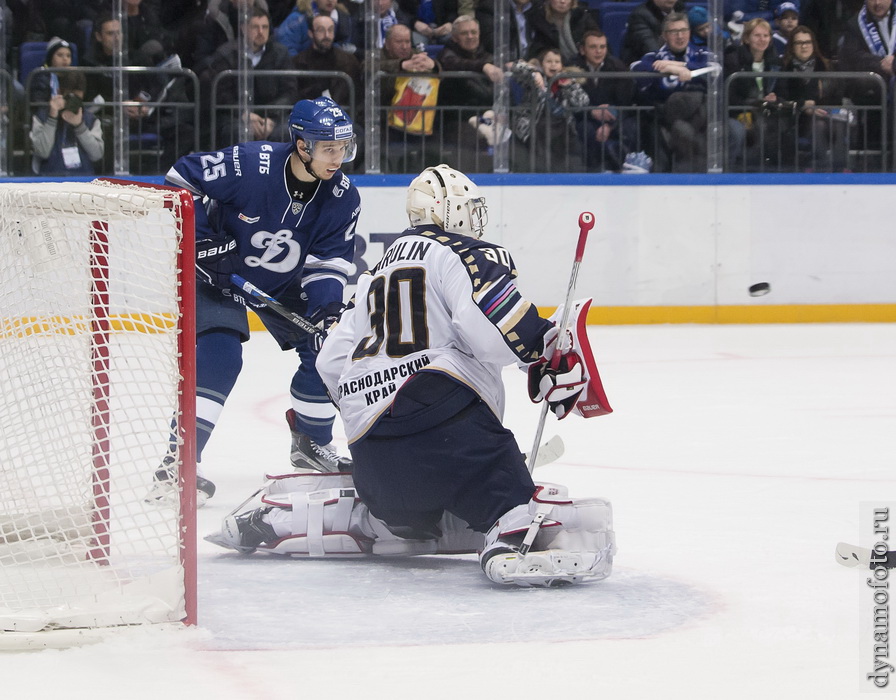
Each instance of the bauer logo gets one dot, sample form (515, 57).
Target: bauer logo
(342, 131)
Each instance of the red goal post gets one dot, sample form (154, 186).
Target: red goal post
(97, 373)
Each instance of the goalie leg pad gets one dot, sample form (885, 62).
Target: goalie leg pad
(322, 523)
(551, 541)
(316, 514)
(316, 524)
(387, 543)
(307, 481)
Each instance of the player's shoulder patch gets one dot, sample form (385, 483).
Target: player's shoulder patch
(485, 262)
(341, 184)
(492, 270)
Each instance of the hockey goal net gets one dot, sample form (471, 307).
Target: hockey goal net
(97, 380)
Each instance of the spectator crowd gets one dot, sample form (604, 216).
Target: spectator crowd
(806, 85)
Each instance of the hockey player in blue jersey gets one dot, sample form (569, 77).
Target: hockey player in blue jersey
(282, 216)
(415, 366)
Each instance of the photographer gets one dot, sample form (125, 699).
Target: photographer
(66, 139)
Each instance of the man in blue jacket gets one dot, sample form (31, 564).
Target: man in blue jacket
(680, 98)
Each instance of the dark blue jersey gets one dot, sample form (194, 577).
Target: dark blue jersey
(244, 193)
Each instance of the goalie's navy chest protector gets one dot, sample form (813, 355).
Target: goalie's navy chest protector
(279, 239)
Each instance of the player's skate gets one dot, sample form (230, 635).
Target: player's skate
(551, 541)
(244, 532)
(308, 454)
(164, 487)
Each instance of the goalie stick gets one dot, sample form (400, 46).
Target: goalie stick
(586, 223)
(852, 556)
(550, 451)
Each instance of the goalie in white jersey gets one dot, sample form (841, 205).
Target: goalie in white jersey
(414, 366)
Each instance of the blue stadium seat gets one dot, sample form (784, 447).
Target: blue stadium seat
(434, 50)
(614, 24)
(614, 7)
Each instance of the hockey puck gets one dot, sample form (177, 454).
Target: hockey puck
(759, 289)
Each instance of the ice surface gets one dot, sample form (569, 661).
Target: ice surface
(737, 457)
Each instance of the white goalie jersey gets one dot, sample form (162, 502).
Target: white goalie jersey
(436, 301)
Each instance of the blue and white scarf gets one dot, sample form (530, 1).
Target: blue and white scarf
(878, 45)
(386, 21)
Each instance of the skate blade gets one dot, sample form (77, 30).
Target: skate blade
(162, 494)
(165, 495)
(220, 539)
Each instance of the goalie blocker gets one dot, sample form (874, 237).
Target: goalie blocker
(550, 541)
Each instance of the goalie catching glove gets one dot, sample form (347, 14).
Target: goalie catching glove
(559, 381)
(570, 383)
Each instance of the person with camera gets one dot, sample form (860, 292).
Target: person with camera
(66, 139)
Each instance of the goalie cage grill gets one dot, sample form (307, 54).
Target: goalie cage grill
(96, 365)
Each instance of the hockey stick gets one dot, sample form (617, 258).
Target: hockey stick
(550, 451)
(269, 301)
(586, 223)
(851, 556)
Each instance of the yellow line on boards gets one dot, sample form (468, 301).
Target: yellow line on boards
(27, 326)
(764, 313)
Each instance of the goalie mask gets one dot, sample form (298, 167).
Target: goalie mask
(449, 199)
(322, 122)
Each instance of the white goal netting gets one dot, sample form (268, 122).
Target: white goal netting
(95, 379)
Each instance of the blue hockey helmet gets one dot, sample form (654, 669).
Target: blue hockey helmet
(322, 119)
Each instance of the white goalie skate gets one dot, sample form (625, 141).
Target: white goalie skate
(551, 541)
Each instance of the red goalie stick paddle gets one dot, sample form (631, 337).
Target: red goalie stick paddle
(586, 223)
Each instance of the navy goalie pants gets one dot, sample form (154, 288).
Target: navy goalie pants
(439, 448)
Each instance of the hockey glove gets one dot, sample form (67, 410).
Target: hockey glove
(324, 317)
(216, 259)
(560, 386)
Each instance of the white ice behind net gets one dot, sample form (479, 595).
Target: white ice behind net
(79, 547)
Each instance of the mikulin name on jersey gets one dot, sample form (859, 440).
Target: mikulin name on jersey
(402, 250)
